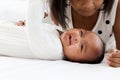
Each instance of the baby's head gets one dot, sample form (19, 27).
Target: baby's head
(82, 46)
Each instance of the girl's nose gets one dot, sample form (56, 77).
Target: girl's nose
(87, 6)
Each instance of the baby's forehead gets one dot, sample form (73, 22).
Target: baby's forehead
(94, 44)
(93, 54)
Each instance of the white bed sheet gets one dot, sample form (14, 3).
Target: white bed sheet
(26, 69)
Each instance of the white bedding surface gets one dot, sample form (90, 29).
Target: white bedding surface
(26, 69)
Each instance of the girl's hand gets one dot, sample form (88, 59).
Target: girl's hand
(114, 58)
(21, 23)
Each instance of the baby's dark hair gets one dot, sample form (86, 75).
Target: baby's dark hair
(58, 9)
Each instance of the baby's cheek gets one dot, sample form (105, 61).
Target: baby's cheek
(68, 51)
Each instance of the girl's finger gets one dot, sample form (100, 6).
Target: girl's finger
(112, 50)
(113, 64)
(115, 55)
(114, 60)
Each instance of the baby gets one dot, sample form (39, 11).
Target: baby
(47, 43)
(82, 46)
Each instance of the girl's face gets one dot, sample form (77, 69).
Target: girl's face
(86, 7)
(79, 44)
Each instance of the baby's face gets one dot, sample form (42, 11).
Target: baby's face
(81, 45)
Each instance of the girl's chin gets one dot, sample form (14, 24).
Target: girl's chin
(87, 13)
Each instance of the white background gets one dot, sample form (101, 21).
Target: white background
(13, 10)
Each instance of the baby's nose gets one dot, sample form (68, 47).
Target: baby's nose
(76, 39)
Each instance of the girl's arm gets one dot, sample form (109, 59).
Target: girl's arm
(116, 27)
(114, 58)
